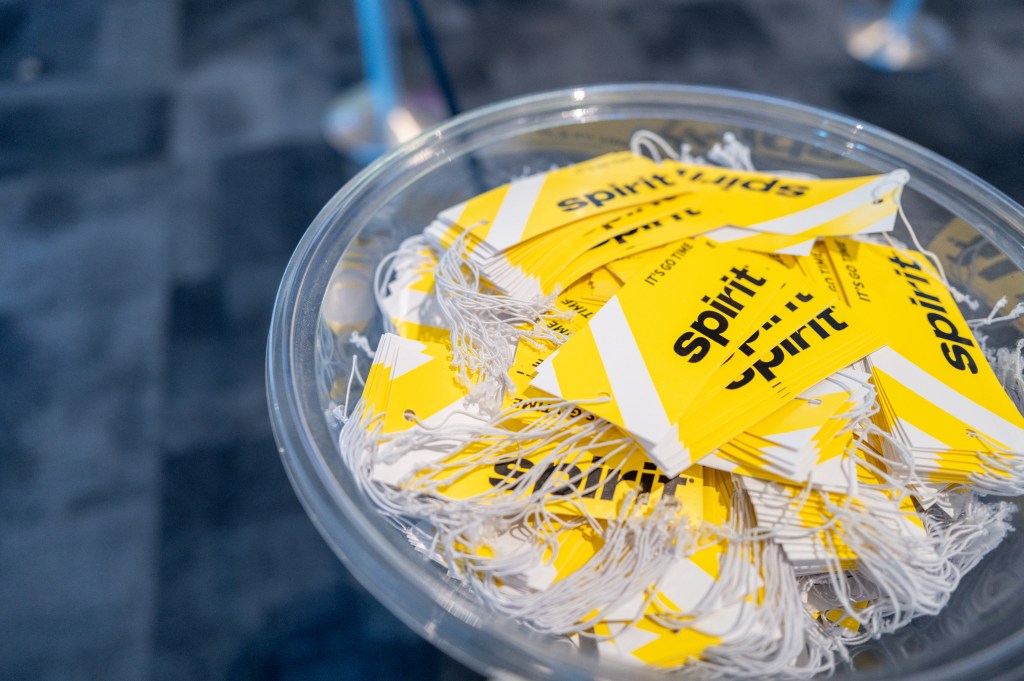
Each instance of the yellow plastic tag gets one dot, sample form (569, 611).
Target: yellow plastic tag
(524, 208)
(876, 214)
(410, 303)
(936, 389)
(508, 220)
(799, 306)
(674, 623)
(596, 482)
(561, 257)
(794, 511)
(786, 444)
(558, 257)
(577, 304)
(656, 343)
(832, 340)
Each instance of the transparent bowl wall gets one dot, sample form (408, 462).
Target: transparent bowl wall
(978, 230)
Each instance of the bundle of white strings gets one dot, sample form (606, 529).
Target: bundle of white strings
(517, 529)
(485, 324)
(776, 639)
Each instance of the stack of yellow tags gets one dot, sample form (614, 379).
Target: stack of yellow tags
(542, 232)
(685, 414)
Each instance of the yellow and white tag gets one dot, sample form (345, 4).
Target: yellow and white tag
(671, 329)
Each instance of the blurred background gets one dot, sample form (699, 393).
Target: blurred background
(159, 159)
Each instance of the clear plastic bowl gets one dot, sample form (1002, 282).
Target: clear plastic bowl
(326, 293)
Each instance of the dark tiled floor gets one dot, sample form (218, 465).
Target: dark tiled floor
(158, 161)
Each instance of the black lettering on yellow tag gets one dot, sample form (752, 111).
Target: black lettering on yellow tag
(954, 345)
(822, 326)
(711, 324)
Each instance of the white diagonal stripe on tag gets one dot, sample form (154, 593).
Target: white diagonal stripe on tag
(631, 383)
(627, 609)
(833, 475)
(546, 379)
(802, 248)
(728, 233)
(515, 210)
(794, 223)
(920, 439)
(450, 216)
(412, 354)
(715, 461)
(886, 224)
(685, 584)
(794, 439)
(671, 455)
(727, 623)
(947, 399)
(633, 638)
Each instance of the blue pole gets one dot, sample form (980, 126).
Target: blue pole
(377, 46)
(902, 14)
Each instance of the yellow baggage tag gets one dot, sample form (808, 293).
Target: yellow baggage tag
(727, 616)
(765, 397)
(413, 385)
(560, 549)
(794, 513)
(588, 244)
(716, 215)
(422, 385)
(816, 202)
(525, 208)
(650, 348)
(522, 270)
(533, 205)
(568, 256)
(597, 482)
(944, 447)
(679, 598)
(509, 219)
(760, 458)
(875, 215)
(799, 304)
(817, 413)
(743, 451)
(374, 400)
(793, 507)
(577, 304)
(683, 587)
(656, 645)
(832, 471)
(411, 305)
(777, 460)
(802, 415)
(832, 340)
(933, 366)
(840, 618)
(578, 544)
(629, 643)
